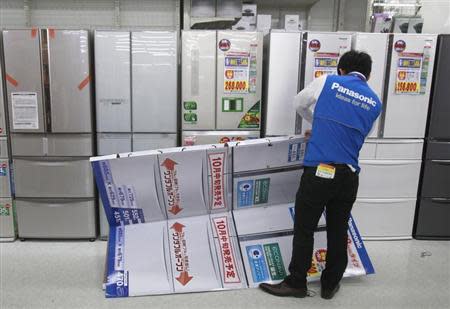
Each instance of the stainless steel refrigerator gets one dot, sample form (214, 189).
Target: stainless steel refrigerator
(7, 224)
(433, 210)
(221, 82)
(50, 113)
(136, 92)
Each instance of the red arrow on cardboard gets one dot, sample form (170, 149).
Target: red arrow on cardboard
(184, 278)
(169, 164)
(175, 209)
(178, 227)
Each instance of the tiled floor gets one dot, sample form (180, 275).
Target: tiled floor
(36, 274)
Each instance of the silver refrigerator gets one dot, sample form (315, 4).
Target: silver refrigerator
(136, 92)
(48, 78)
(221, 85)
(7, 211)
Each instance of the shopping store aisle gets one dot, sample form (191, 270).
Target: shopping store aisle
(35, 274)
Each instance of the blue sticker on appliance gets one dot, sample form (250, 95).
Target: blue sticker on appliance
(257, 262)
(245, 190)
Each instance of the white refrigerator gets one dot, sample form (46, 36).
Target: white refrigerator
(295, 60)
(221, 82)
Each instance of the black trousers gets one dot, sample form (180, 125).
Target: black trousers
(315, 194)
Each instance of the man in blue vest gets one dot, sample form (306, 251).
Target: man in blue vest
(345, 109)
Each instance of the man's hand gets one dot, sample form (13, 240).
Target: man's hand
(308, 134)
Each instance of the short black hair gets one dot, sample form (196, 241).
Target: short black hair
(355, 61)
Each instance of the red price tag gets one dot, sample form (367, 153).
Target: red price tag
(235, 86)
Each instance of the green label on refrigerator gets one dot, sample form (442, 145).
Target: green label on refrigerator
(190, 105)
(5, 210)
(190, 117)
(274, 261)
(261, 191)
(251, 119)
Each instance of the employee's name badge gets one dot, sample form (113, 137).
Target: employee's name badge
(325, 171)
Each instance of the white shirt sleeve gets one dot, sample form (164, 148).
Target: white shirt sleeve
(305, 100)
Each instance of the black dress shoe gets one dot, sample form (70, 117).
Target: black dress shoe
(329, 293)
(283, 289)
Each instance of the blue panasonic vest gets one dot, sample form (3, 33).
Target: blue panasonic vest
(344, 115)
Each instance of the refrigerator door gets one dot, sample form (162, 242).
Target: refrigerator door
(3, 128)
(323, 51)
(385, 218)
(433, 219)
(436, 179)
(57, 145)
(113, 81)
(56, 218)
(190, 138)
(389, 178)
(3, 147)
(70, 91)
(153, 141)
(61, 178)
(154, 81)
(109, 143)
(282, 82)
(7, 226)
(411, 74)
(5, 181)
(239, 80)
(198, 83)
(23, 80)
(440, 104)
(376, 45)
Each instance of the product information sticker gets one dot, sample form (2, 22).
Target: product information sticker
(236, 73)
(325, 64)
(409, 68)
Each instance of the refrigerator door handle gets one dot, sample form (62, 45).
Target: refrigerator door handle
(165, 253)
(442, 162)
(212, 252)
(440, 200)
(205, 192)
(156, 189)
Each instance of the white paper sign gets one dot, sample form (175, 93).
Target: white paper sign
(25, 110)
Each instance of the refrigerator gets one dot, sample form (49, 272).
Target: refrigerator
(221, 82)
(409, 87)
(385, 206)
(433, 209)
(50, 116)
(295, 60)
(7, 211)
(136, 92)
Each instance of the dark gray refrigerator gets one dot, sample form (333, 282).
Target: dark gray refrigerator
(433, 210)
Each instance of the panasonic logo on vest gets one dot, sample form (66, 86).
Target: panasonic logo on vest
(353, 94)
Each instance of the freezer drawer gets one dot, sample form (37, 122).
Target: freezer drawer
(7, 226)
(392, 149)
(433, 218)
(109, 143)
(198, 81)
(154, 75)
(384, 218)
(3, 147)
(57, 177)
(389, 178)
(438, 150)
(406, 110)
(153, 141)
(112, 81)
(436, 179)
(56, 218)
(58, 145)
(5, 182)
(23, 80)
(70, 94)
(282, 85)
(440, 104)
